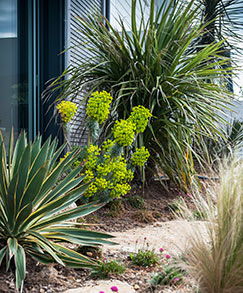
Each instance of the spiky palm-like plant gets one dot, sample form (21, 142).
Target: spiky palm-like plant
(34, 218)
(224, 18)
(158, 65)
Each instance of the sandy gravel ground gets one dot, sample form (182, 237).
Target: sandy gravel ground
(172, 236)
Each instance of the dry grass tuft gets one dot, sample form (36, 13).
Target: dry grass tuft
(216, 261)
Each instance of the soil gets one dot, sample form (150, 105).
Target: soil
(118, 217)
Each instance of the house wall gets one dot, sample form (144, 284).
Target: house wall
(76, 55)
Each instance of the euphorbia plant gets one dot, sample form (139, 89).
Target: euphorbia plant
(34, 197)
(110, 164)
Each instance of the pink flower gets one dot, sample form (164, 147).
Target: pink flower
(179, 193)
(168, 256)
(114, 289)
(188, 194)
(101, 292)
(161, 250)
(176, 280)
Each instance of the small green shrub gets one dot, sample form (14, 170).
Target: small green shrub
(91, 251)
(115, 208)
(106, 268)
(144, 216)
(170, 275)
(136, 202)
(145, 258)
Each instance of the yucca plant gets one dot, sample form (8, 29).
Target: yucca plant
(34, 218)
(159, 65)
(215, 257)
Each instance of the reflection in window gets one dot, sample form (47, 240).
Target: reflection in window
(8, 18)
(13, 66)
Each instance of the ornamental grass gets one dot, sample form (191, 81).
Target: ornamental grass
(216, 259)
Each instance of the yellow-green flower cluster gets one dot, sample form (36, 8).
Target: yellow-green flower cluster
(107, 145)
(93, 154)
(98, 106)
(140, 117)
(120, 189)
(110, 174)
(66, 155)
(123, 132)
(67, 110)
(74, 164)
(140, 156)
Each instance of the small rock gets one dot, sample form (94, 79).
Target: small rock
(136, 287)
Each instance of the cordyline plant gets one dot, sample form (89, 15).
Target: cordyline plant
(158, 65)
(34, 218)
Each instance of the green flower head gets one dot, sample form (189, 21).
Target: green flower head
(67, 110)
(140, 117)
(140, 157)
(123, 132)
(98, 106)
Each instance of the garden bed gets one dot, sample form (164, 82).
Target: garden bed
(116, 218)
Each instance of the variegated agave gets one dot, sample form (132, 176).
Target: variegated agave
(34, 218)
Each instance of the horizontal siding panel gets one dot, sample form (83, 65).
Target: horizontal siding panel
(79, 8)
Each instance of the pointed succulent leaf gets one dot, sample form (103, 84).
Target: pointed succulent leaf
(2, 254)
(36, 146)
(33, 189)
(20, 265)
(80, 211)
(3, 179)
(73, 255)
(22, 215)
(47, 245)
(55, 157)
(10, 153)
(11, 200)
(64, 186)
(40, 158)
(18, 152)
(23, 179)
(12, 247)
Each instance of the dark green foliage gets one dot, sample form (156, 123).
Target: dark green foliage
(225, 23)
(115, 207)
(90, 251)
(136, 201)
(145, 258)
(108, 267)
(226, 146)
(170, 275)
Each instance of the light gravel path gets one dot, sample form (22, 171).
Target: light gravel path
(172, 236)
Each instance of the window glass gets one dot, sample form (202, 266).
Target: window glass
(13, 66)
